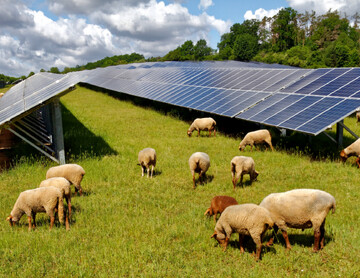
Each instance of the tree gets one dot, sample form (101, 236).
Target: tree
(245, 47)
(54, 70)
(284, 29)
(201, 50)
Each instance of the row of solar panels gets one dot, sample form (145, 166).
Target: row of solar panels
(297, 99)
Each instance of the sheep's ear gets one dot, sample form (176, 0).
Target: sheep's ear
(214, 235)
(207, 211)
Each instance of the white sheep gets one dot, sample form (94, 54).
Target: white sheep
(30, 202)
(63, 185)
(74, 173)
(199, 162)
(202, 124)
(300, 209)
(147, 158)
(244, 219)
(357, 117)
(256, 137)
(352, 150)
(241, 165)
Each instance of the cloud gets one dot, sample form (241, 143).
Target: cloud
(259, 14)
(322, 6)
(205, 4)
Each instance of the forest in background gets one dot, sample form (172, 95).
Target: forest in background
(305, 40)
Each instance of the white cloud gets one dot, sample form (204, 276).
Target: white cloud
(322, 6)
(205, 4)
(259, 14)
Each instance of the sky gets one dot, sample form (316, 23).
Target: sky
(39, 34)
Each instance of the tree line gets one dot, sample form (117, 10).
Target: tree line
(291, 38)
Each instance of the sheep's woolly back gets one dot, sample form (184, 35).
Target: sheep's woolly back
(299, 208)
(256, 137)
(44, 199)
(247, 219)
(147, 157)
(60, 183)
(353, 149)
(74, 173)
(199, 161)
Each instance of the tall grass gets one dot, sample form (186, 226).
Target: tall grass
(126, 225)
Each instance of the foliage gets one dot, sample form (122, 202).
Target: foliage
(129, 226)
(189, 51)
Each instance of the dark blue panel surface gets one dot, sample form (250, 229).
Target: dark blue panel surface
(229, 96)
(291, 110)
(275, 108)
(253, 75)
(314, 75)
(239, 96)
(310, 113)
(201, 93)
(237, 78)
(330, 116)
(248, 114)
(265, 76)
(348, 90)
(183, 99)
(209, 95)
(219, 97)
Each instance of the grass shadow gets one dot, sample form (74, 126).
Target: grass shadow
(80, 141)
(302, 240)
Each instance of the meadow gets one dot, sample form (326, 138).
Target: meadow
(126, 225)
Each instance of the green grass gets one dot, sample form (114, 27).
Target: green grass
(126, 225)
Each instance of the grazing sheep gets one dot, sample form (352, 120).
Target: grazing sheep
(241, 165)
(30, 202)
(256, 137)
(147, 158)
(300, 209)
(72, 172)
(357, 116)
(352, 150)
(202, 124)
(245, 219)
(219, 204)
(64, 186)
(199, 162)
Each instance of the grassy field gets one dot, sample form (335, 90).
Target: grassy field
(129, 226)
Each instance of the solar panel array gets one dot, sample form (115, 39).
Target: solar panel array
(298, 99)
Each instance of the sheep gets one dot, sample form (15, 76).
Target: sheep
(357, 117)
(63, 185)
(202, 124)
(256, 137)
(74, 173)
(352, 150)
(147, 158)
(244, 219)
(241, 165)
(30, 202)
(199, 162)
(219, 204)
(300, 209)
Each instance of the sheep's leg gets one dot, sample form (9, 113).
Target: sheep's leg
(234, 182)
(226, 243)
(241, 179)
(358, 162)
(214, 132)
(271, 240)
(52, 220)
(215, 216)
(322, 235)
(317, 235)
(33, 214)
(68, 201)
(142, 170)
(241, 243)
(152, 170)
(29, 220)
(193, 176)
(257, 239)
(198, 132)
(287, 242)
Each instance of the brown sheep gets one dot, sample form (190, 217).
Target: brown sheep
(219, 204)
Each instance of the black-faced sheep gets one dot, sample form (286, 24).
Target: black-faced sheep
(30, 202)
(256, 137)
(300, 209)
(202, 124)
(74, 173)
(199, 162)
(352, 150)
(64, 186)
(241, 165)
(244, 219)
(147, 158)
(219, 204)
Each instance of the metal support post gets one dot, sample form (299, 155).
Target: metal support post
(58, 139)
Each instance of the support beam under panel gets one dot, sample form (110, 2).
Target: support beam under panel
(340, 133)
(58, 136)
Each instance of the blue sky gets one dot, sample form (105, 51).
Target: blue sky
(39, 34)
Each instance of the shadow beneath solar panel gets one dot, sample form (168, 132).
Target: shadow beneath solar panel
(79, 141)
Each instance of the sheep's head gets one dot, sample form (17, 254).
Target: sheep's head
(343, 156)
(242, 146)
(189, 133)
(208, 212)
(255, 175)
(10, 219)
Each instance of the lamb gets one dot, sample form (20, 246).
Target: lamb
(244, 219)
(241, 165)
(147, 158)
(202, 124)
(199, 162)
(300, 209)
(219, 204)
(63, 185)
(256, 137)
(352, 150)
(30, 202)
(74, 173)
